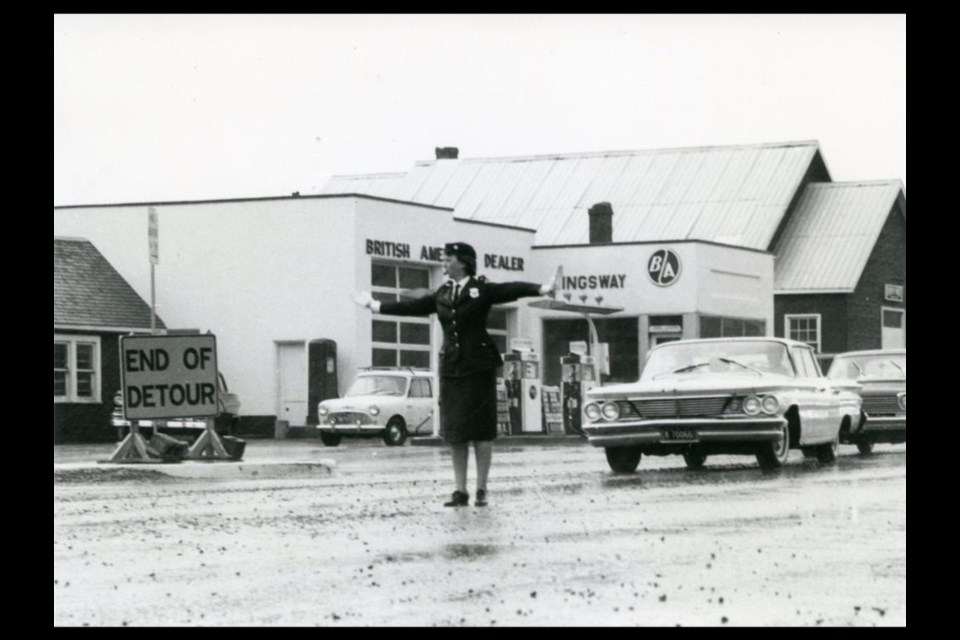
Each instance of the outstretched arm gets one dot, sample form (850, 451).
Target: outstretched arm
(510, 291)
(422, 306)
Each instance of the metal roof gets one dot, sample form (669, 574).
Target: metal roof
(89, 293)
(828, 239)
(731, 194)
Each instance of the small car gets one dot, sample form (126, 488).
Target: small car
(388, 403)
(882, 375)
(696, 398)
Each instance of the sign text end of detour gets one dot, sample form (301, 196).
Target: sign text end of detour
(169, 376)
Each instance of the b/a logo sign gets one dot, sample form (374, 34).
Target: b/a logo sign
(663, 267)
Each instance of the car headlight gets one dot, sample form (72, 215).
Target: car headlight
(752, 406)
(610, 410)
(592, 411)
(374, 410)
(770, 405)
(902, 400)
(322, 410)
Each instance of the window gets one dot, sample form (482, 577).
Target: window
(804, 328)
(715, 327)
(806, 363)
(399, 340)
(76, 368)
(420, 388)
(497, 328)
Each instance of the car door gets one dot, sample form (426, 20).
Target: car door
(813, 392)
(419, 407)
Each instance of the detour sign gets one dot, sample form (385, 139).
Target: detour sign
(169, 376)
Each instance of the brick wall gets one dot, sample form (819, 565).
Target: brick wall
(76, 423)
(832, 308)
(887, 265)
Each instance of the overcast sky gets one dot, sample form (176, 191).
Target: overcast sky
(155, 108)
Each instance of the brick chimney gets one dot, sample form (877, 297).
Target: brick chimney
(447, 153)
(601, 223)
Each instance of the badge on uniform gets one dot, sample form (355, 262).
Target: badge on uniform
(474, 292)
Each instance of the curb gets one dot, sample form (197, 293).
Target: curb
(193, 469)
(507, 441)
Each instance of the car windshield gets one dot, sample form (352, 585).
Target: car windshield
(754, 357)
(378, 386)
(889, 365)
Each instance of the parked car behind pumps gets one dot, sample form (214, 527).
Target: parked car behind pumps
(387, 403)
(696, 398)
(882, 375)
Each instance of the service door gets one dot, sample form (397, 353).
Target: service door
(292, 372)
(894, 333)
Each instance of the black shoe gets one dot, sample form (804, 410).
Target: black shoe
(458, 499)
(481, 500)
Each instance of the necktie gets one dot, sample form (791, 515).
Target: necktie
(456, 291)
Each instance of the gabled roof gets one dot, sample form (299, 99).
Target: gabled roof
(88, 291)
(829, 238)
(731, 194)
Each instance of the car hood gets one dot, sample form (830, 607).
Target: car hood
(702, 384)
(357, 403)
(870, 386)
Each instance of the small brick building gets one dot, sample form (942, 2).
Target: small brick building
(841, 268)
(93, 306)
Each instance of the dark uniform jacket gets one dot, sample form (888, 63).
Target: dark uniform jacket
(467, 347)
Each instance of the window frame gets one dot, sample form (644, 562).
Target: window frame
(399, 346)
(788, 319)
(71, 396)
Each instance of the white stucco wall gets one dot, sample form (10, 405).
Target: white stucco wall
(252, 272)
(735, 283)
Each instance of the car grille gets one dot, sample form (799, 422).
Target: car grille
(880, 405)
(676, 407)
(350, 417)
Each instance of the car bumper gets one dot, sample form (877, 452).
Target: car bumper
(884, 424)
(351, 429)
(703, 430)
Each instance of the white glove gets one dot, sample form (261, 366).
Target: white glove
(364, 299)
(551, 287)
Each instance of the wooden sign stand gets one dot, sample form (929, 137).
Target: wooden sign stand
(133, 448)
(208, 446)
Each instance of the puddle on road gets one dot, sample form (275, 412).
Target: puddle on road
(457, 551)
(468, 551)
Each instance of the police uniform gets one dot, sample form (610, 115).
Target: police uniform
(469, 358)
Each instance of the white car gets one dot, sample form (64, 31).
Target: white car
(388, 403)
(752, 396)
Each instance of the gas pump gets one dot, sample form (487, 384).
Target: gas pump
(522, 371)
(579, 374)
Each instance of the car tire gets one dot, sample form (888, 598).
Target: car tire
(865, 447)
(827, 452)
(395, 434)
(623, 459)
(773, 455)
(330, 439)
(695, 459)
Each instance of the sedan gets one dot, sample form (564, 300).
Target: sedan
(696, 398)
(882, 375)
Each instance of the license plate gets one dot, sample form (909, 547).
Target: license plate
(679, 434)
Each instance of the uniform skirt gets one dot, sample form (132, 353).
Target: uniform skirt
(468, 407)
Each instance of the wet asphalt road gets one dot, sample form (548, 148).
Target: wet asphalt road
(563, 542)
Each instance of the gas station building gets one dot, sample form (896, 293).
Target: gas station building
(662, 244)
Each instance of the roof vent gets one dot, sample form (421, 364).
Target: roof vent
(601, 223)
(447, 153)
